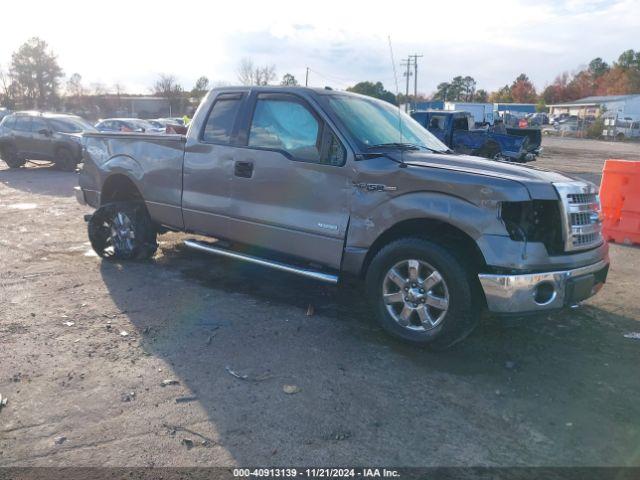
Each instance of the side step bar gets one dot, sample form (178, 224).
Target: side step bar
(203, 247)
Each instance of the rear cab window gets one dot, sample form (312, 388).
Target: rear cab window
(222, 118)
(437, 123)
(461, 123)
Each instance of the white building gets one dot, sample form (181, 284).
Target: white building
(618, 105)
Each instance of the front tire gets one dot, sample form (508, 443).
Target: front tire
(65, 160)
(123, 231)
(11, 157)
(422, 294)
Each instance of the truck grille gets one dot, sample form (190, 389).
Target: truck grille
(581, 213)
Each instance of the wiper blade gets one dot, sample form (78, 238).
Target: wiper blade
(406, 146)
(403, 146)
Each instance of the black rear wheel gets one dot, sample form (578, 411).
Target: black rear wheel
(491, 151)
(123, 231)
(11, 157)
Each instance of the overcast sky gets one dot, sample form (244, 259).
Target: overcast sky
(342, 42)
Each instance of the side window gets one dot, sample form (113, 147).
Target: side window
(23, 124)
(437, 123)
(8, 122)
(38, 124)
(288, 125)
(461, 124)
(221, 119)
(335, 154)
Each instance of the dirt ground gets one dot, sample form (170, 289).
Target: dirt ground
(85, 345)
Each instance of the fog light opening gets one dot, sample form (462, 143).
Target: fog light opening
(544, 293)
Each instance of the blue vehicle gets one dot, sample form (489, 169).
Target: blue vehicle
(457, 130)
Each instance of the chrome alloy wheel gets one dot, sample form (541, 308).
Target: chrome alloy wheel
(415, 295)
(122, 233)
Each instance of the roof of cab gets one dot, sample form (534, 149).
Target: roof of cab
(286, 89)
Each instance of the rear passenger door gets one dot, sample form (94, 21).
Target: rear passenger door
(22, 134)
(41, 143)
(208, 168)
(290, 184)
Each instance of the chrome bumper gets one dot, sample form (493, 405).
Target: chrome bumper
(542, 291)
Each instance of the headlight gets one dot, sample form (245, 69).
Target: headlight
(534, 221)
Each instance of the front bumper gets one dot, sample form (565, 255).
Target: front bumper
(80, 195)
(536, 292)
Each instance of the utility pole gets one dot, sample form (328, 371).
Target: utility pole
(407, 74)
(415, 75)
(306, 78)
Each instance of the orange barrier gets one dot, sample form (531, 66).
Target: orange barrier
(620, 200)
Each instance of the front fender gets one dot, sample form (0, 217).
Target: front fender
(474, 220)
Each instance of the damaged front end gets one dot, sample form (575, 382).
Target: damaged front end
(534, 221)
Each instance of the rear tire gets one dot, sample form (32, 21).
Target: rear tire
(441, 285)
(123, 231)
(11, 157)
(491, 151)
(65, 161)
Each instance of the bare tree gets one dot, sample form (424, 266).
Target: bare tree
(249, 74)
(99, 88)
(74, 87)
(119, 89)
(167, 86)
(7, 90)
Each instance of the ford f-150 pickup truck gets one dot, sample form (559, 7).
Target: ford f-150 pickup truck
(328, 184)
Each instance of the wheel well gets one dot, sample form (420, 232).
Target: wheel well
(442, 233)
(119, 188)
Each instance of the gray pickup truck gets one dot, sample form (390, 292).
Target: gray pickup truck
(328, 184)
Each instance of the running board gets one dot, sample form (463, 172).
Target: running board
(203, 247)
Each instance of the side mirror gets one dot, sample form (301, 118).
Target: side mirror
(45, 131)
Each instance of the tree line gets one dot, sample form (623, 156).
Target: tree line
(34, 80)
(597, 78)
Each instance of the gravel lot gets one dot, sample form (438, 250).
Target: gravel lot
(86, 345)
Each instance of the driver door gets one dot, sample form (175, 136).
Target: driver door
(290, 188)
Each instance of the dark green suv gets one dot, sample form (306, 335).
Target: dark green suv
(42, 136)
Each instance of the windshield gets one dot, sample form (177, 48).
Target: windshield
(70, 125)
(374, 122)
(142, 124)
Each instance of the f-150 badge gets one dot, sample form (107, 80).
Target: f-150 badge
(374, 187)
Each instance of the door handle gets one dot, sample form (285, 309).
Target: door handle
(243, 169)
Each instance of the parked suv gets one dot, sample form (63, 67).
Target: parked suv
(42, 136)
(329, 184)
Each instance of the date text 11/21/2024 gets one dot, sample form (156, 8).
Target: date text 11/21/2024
(316, 472)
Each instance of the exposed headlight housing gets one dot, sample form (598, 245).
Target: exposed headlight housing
(534, 221)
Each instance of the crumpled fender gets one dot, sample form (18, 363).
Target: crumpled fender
(472, 219)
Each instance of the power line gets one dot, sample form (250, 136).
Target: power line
(415, 75)
(407, 63)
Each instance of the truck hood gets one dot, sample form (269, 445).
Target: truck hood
(537, 180)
